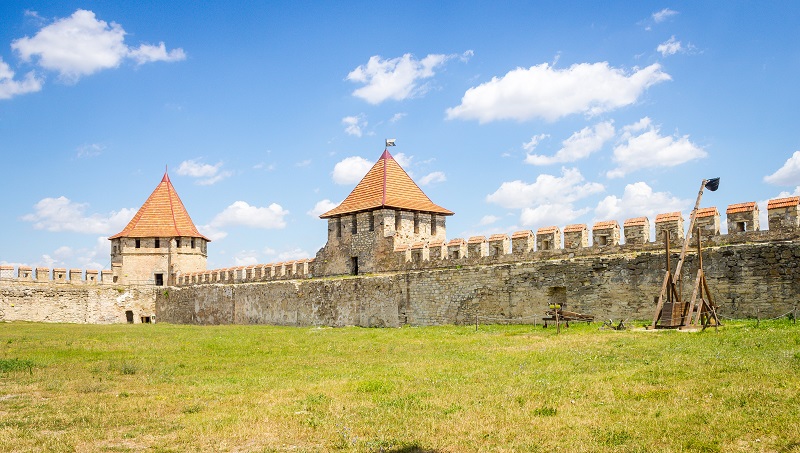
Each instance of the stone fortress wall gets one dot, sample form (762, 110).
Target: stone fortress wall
(72, 296)
(512, 279)
(499, 279)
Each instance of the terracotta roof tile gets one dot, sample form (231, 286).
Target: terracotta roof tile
(637, 221)
(476, 240)
(91, 271)
(522, 234)
(742, 207)
(783, 202)
(436, 243)
(162, 215)
(417, 246)
(547, 230)
(456, 241)
(667, 216)
(706, 212)
(498, 237)
(575, 227)
(400, 248)
(605, 224)
(387, 185)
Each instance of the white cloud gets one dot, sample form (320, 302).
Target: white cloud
(206, 174)
(638, 200)
(245, 258)
(788, 174)
(550, 214)
(488, 220)
(397, 117)
(322, 207)
(670, 47)
(534, 142)
(545, 92)
(403, 160)
(10, 87)
(663, 15)
(81, 45)
(578, 146)
(292, 254)
(62, 214)
(465, 57)
(432, 178)
(240, 213)
(90, 150)
(547, 189)
(394, 78)
(350, 170)
(146, 53)
(212, 232)
(354, 125)
(650, 149)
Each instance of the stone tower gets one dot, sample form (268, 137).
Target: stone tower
(159, 243)
(385, 210)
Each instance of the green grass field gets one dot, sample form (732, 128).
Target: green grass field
(435, 389)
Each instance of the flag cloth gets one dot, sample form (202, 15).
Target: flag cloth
(712, 184)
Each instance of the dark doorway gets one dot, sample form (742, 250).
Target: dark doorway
(354, 265)
(159, 279)
(557, 295)
(145, 320)
(129, 316)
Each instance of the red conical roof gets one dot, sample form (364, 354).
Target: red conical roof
(386, 185)
(162, 215)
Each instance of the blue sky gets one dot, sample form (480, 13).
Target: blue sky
(514, 115)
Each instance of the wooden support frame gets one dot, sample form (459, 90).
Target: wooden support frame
(691, 315)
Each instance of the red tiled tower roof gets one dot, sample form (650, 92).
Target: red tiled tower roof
(386, 185)
(162, 215)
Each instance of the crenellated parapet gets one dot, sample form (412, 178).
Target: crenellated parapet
(58, 275)
(286, 270)
(743, 217)
(605, 233)
(606, 237)
(576, 236)
(672, 223)
(782, 212)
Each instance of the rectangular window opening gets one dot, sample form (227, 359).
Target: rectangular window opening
(354, 225)
(416, 223)
(159, 279)
(138, 243)
(192, 243)
(741, 226)
(433, 224)
(371, 221)
(602, 240)
(129, 316)
(178, 242)
(157, 243)
(145, 319)
(397, 220)
(338, 227)
(545, 245)
(354, 265)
